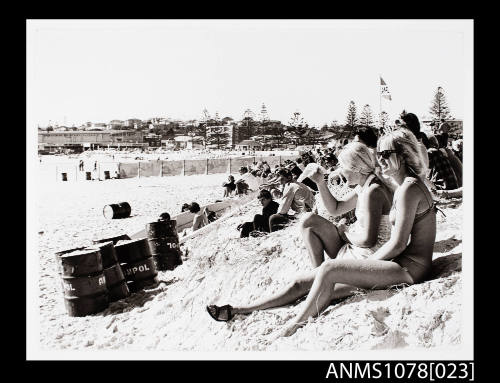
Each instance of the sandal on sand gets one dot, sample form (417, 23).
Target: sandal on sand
(216, 311)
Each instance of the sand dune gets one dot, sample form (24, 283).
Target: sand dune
(222, 268)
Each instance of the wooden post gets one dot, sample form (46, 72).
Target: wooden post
(139, 169)
(161, 168)
(183, 167)
(229, 165)
(206, 170)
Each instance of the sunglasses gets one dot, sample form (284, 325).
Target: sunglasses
(385, 154)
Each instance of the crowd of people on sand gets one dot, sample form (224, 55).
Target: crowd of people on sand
(385, 224)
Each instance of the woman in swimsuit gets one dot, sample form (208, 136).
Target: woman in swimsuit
(372, 200)
(405, 258)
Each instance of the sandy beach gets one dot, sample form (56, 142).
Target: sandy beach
(222, 268)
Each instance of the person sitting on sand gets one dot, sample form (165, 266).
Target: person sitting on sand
(200, 218)
(455, 162)
(247, 181)
(372, 199)
(260, 221)
(296, 172)
(405, 258)
(411, 122)
(296, 196)
(440, 172)
(229, 186)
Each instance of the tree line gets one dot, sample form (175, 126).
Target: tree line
(214, 131)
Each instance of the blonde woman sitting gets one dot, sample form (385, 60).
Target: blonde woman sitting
(372, 199)
(405, 258)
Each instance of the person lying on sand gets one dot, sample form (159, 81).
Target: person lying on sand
(372, 199)
(405, 258)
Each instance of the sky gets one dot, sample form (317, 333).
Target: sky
(99, 70)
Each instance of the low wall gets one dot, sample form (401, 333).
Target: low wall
(193, 167)
(170, 168)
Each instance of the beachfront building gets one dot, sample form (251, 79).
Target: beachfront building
(248, 145)
(83, 140)
(188, 142)
(153, 140)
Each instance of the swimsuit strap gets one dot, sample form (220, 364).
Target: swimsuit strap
(432, 205)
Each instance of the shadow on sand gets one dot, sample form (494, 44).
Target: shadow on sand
(446, 245)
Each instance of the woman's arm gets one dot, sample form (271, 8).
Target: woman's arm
(334, 206)
(373, 213)
(406, 207)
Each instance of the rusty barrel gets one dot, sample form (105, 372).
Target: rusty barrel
(88, 176)
(83, 281)
(163, 242)
(64, 176)
(137, 264)
(117, 210)
(115, 280)
(106, 175)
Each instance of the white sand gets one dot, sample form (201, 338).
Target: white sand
(221, 268)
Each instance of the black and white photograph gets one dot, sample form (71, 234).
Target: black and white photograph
(249, 189)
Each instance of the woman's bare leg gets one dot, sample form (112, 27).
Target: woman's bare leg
(295, 290)
(320, 235)
(367, 274)
(342, 290)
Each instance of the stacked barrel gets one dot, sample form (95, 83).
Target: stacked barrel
(137, 264)
(163, 243)
(83, 281)
(115, 280)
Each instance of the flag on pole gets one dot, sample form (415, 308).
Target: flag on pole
(384, 90)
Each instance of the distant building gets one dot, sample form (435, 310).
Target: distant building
(81, 140)
(132, 122)
(114, 124)
(97, 125)
(153, 140)
(248, 145)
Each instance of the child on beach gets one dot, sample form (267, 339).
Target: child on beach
(229, 186)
